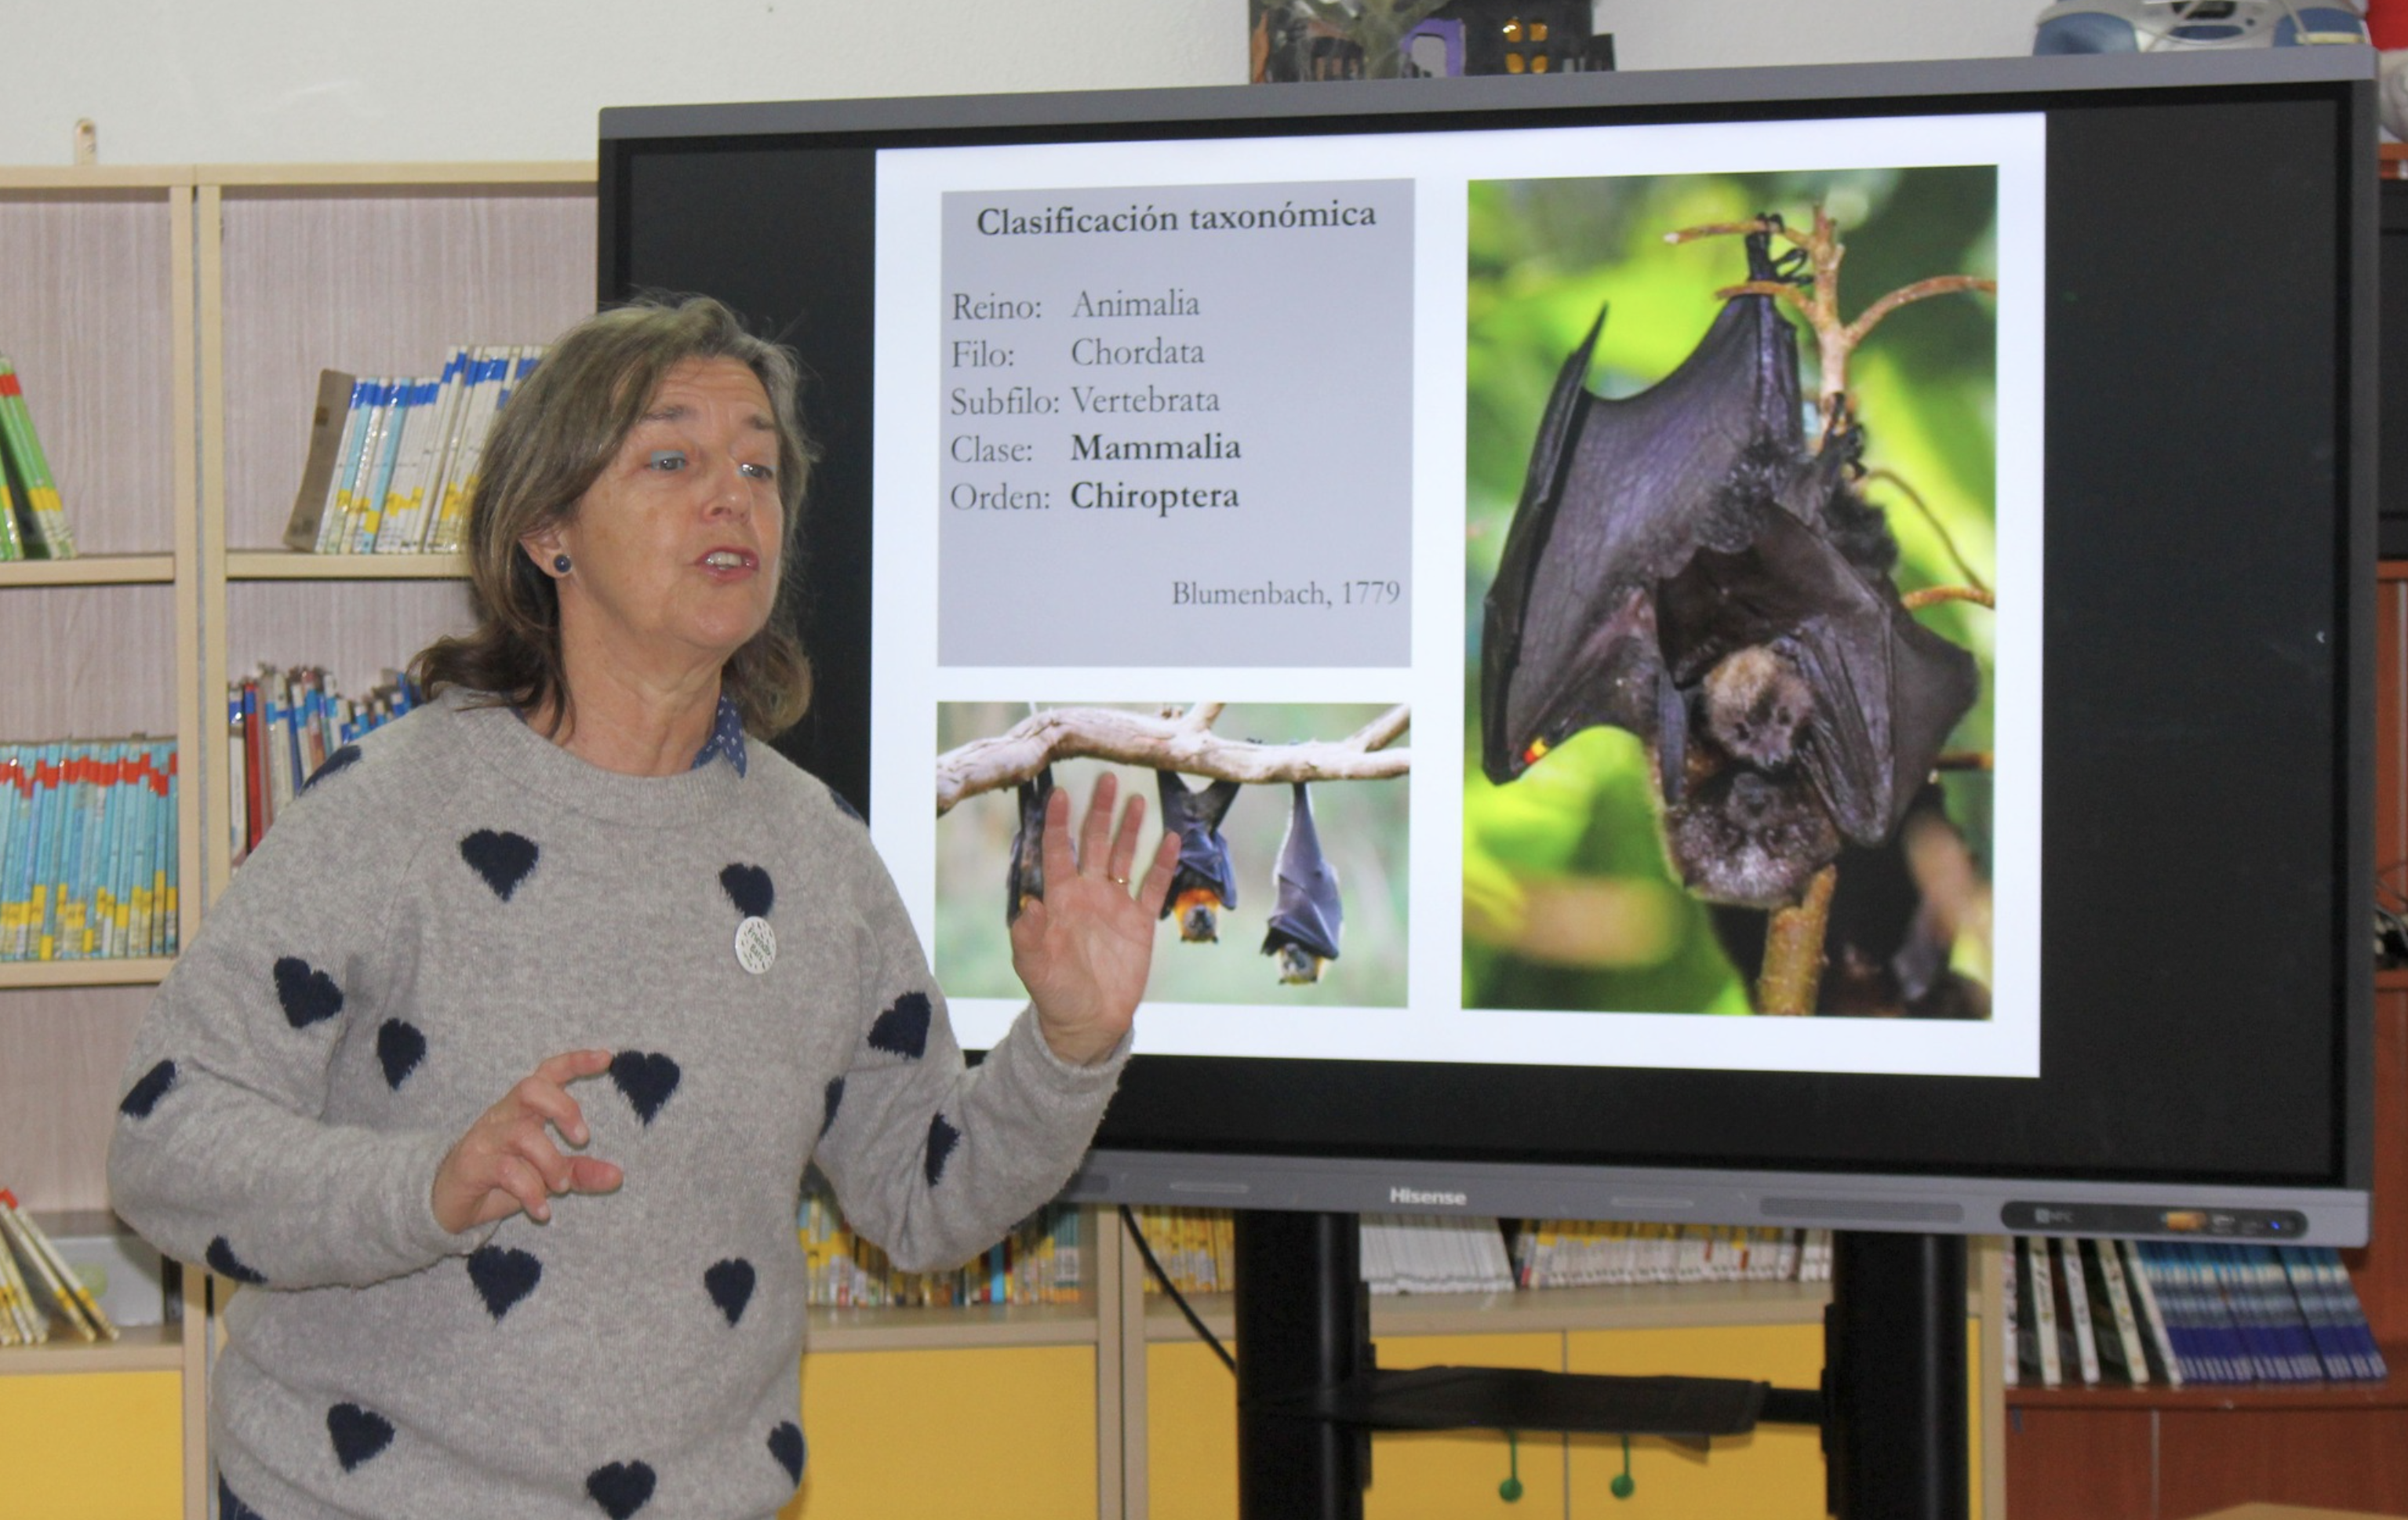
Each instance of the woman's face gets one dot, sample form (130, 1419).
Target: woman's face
(674, 549)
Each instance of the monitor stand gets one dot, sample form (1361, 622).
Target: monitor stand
(1892, 1409)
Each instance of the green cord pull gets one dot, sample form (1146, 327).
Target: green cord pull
(1623, 1486)
(1510, 1489)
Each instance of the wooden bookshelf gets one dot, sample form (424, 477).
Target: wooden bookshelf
(955, 1326)
(284, 565)
(139, 1348)
(98, 286)
(91, 570)
(2390, 1394)
(116, 972)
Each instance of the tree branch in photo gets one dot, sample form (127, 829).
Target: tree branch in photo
(1818, 300)
(1183, 742)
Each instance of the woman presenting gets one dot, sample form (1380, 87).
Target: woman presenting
(496, 1071)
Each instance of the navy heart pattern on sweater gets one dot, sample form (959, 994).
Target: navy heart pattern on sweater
(502, 858)
(358, 1434)
(308, 995)
(621, 1489)
(231, 1508)
(903, 1028)
(144, 1096)
(223, 1262)
(786, 1445)
(646, 1079)
(400, 1049)
(942, 1138)
(729, 1284)
(835, 1096)
(504, 1276)
(750, 889)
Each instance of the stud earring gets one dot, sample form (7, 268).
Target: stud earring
(560, 563)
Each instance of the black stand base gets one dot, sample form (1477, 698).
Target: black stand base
(1309, 1395)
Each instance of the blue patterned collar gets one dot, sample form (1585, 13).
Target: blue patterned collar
(727, 737)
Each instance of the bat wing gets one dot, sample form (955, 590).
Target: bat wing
(1620, 495)
(1203, 854)
(1307, 912)
(1027, 877)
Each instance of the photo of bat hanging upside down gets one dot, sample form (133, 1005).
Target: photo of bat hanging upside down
(1205, 881)
(1305, 915)
(1681, 564)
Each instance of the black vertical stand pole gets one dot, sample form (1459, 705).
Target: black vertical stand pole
(1304, 1325)
(1893, 1365)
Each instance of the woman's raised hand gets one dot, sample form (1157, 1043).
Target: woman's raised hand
(507, 1162)
(1084, 948)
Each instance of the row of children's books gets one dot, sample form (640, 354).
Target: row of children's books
(88, 849)
(38, 1289)
(1551, 1253)
(33, 522)
(283, 724)
(2132, 1313)
(1040, 1262)
(1434, 1253)
(1195, 1248)
(393, 459)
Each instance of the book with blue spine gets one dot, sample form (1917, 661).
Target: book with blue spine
(139, 898)
(394, 422)
(57, 801)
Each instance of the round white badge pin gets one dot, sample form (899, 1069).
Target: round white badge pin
(756, 945)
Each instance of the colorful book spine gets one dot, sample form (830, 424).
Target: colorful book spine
(12, 539)
(394, 422)
(74, 816)
(45, 515)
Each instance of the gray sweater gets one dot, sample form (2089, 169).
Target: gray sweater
(440, 912)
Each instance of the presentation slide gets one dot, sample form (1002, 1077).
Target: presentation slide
(1576, 593)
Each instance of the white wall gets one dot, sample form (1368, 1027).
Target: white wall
(289, 80)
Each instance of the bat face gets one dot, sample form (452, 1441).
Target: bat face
(1026, 880)
(1683, 566)
(1756, 705)
(1297, 967)
(1205, 879)
(1748, 837)
(1307, 915)
(1194, 907)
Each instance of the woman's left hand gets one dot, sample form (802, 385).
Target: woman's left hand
(1084, 948)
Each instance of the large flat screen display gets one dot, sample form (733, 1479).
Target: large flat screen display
(1763, 646)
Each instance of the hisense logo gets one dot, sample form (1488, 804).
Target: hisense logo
(1415, 1195)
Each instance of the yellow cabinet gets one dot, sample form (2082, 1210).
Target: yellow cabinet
(1002, 1434)
(92, 1445)
(1773, 1473)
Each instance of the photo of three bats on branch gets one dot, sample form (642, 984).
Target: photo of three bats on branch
(1729, 653)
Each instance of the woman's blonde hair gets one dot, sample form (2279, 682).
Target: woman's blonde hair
(549, 445)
